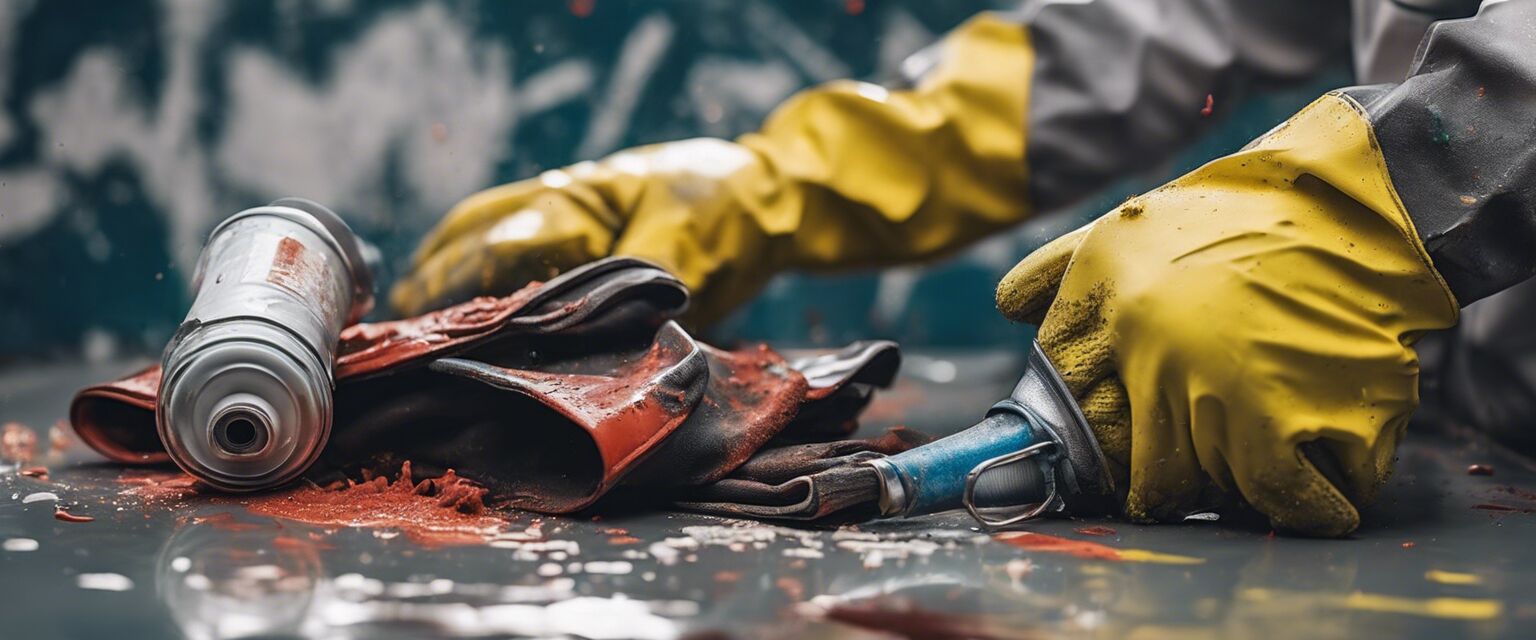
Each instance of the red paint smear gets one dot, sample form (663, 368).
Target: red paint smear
(17, 443)
(442, 511)
(853, 7)
(225, 521)
(1493, 506)
(1096, 530)
(1210, 106)
(903, 618)
(1479, 470)
(582, 8)
(60, 514)
(1052, 544)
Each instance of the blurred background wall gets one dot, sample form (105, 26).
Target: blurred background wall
(130, 127)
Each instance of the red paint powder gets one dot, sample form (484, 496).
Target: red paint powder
(1096, 530)
(1479, 470)
(60, 514)
(158, 486)
(1052, 544)
(17, 443)
(442, 511)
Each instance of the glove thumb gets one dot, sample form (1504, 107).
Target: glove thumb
(1025, 293)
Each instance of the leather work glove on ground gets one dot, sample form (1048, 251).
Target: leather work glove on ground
(1247, 327)
(845, 175)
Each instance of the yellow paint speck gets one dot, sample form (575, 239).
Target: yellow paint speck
(1452, 577)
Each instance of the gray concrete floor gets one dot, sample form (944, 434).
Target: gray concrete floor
(1443, 554)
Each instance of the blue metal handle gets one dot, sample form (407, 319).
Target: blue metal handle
(932, 477)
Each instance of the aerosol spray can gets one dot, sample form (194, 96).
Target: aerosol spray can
(245, 393)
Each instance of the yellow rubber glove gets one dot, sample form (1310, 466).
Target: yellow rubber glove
(845, 175)
(1247, 327)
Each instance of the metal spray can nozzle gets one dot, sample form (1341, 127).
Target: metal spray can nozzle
(245, 394)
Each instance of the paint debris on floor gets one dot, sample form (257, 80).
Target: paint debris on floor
(400, 555)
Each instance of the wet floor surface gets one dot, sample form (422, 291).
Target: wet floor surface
(1445, 553)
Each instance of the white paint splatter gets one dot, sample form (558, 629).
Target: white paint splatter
(637, 61)
(103, 581)
(19, 544)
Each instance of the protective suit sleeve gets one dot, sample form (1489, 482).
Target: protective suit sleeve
(848, 174)
(1459, 142)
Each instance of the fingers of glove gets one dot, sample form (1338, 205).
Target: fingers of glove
(1108, 410)
(472, 215)
(480, 265)
(1296, 494)
(1027, 289)
(1166, 481)
(1075, 336)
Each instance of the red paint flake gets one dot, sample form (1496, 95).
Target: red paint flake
(60, 514)
(1210, 106)
(1479, 470)
(582, 8)
(59, 439)
(1052, 544)
(1410, 544)
(791, 587)
(727, 576)
(41, 473)
(17, 443)
(1482, 91)
(623, 540)
(1096, 530)
(853, 7)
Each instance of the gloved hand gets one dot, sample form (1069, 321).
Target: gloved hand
(1247, 327)
(846, 175)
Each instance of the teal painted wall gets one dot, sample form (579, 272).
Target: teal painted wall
(128, 128)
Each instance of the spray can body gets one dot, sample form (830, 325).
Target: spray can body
(245, 396)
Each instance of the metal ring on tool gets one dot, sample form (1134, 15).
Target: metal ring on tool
(968, 498)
